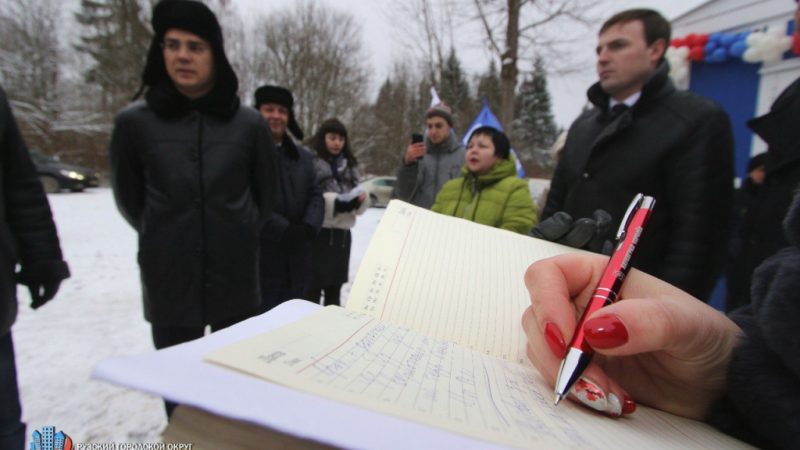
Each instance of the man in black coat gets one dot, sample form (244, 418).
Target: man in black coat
(761, 233)
(287, 235)
(27, 237)
(193, 173)
(645, 136)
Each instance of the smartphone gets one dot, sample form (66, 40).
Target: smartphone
(416, 138)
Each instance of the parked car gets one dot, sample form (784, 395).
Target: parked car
(56, 175)
(379, 190)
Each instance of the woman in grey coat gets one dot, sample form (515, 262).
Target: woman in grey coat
(337, 175)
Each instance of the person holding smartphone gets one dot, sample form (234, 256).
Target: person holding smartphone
(430, 161)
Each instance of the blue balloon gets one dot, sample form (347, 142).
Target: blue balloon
(727, 39)
(738, 48)
(718, 55)
(710, 47)
(714, 37)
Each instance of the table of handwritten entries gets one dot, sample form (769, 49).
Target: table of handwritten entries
(352, 357)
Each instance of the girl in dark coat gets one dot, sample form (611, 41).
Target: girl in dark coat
(337, 175)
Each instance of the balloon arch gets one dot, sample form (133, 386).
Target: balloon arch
(763, 46)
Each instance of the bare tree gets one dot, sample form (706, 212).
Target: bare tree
(317, 53)
(239, 46)
(29, 65)
(428, 28)
(514, 32)
(512, 26)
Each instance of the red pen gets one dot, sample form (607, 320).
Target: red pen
(579, 353)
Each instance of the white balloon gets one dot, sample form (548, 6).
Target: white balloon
(751, 55)
(754, 38)
(767, 46)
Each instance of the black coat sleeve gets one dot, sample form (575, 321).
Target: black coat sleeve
(127, 171)
(315, 211)
(762, 404)
(700, 197)
(557, 192)
(25, 207)
(265, 173)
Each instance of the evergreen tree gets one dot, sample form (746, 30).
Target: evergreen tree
(388, 127)
(454, 91)
(489, 87)
(116, 38)
(534, 128)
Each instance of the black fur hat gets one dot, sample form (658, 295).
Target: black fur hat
(194, 17)
(281, 96)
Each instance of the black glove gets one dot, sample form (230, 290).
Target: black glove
(593, 234)
(43, 280)
(42, 293)
(341, 206)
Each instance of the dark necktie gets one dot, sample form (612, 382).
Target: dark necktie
(617, 110)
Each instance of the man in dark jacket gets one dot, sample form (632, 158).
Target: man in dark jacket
(645, 136)
(761, 234)
(427, 165)
(193, 174)
(27, 237)
(287, 235)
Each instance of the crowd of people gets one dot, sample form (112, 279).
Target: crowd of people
(235, 215)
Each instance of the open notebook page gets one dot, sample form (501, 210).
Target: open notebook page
(449, 278)
(354, 358)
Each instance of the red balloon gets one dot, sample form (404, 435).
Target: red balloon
(696, 53)
(678, 42)
(691, 40)
(702, 39)
(796, 44)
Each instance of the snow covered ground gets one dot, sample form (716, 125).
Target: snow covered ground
(98, 314)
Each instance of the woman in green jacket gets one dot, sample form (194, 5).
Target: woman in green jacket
(489, 191)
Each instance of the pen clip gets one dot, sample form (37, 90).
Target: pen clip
(626, 219)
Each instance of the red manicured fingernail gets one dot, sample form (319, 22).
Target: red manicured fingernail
(628, 405)
(555, 340)
(605, 332)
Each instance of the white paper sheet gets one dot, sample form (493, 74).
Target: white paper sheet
(180, 374)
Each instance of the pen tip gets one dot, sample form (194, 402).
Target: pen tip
(558, 399)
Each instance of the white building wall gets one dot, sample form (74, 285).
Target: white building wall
(732, 16)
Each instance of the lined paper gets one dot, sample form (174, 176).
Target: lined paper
(355, 358)
(449, 278)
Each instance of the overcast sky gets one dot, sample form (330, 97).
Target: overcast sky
(382, 41)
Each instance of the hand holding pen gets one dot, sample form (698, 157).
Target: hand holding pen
(657, 345)
(579, 352)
